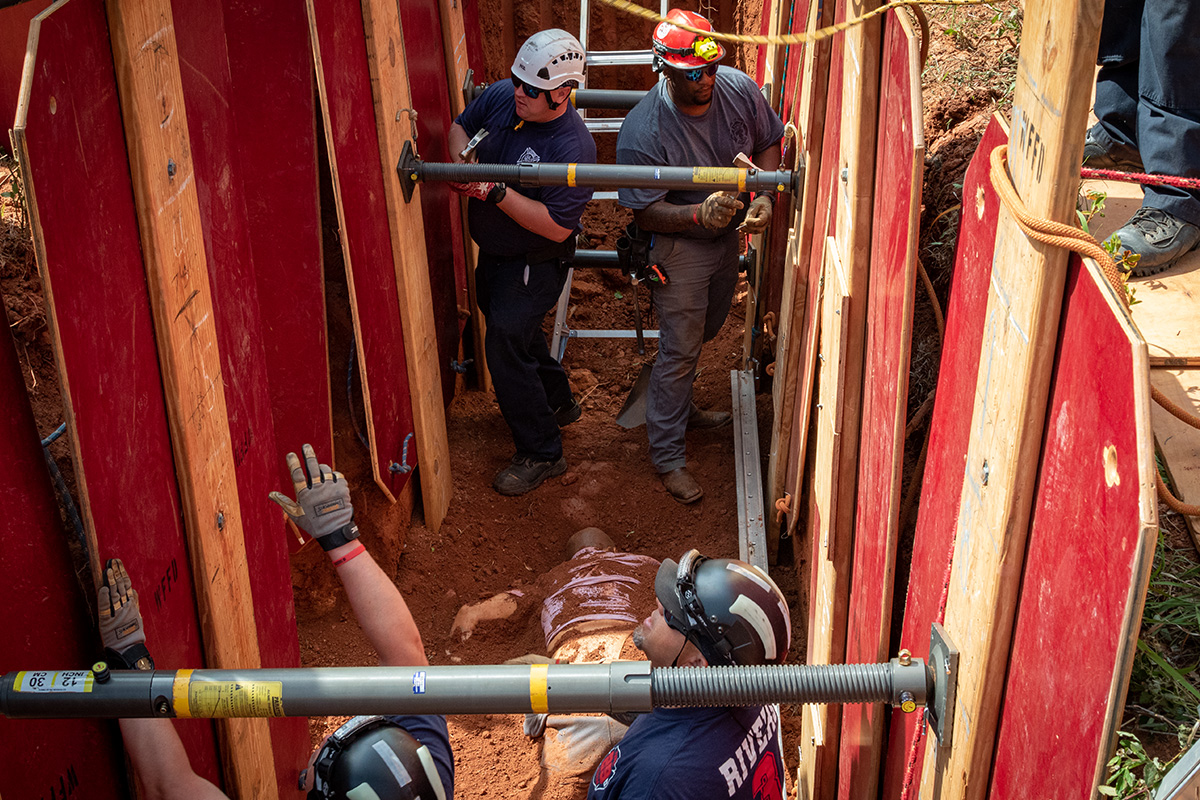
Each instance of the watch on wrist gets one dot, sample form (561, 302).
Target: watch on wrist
(497, 193)
(341, 536)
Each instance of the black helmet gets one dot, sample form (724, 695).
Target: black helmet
(733, 612)
(376, 752)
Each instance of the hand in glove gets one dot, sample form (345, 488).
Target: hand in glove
(121, 630)
(717, 210)
(480, 190)
(759, 214)
(322, 506)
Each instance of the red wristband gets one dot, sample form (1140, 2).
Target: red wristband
(695, 220)
(358, 551)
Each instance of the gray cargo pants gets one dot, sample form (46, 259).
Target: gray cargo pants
(691, 307)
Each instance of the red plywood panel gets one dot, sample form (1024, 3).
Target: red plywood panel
(14, 33)
(214, 133)
(1088, 556)
(366, 240)
(895, 222)
(270, 61)
(769, 9)
(440, 207)
(55, 630)
(85, 229)
(949, 432)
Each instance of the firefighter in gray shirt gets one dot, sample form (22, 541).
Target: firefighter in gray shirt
(702, 114)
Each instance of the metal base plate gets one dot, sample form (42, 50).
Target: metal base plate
(943, 660)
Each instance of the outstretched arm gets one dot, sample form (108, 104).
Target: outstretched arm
(161, 764)
(159, 760)
(322, 509)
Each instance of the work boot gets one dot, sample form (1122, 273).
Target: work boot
(700, 419)
(1158, 238)
(526, 474)
(1097, 155)
(681, 485)
(569, 413)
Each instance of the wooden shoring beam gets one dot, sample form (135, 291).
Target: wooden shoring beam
(792, 386)
(1050, 107)
(156, 131)
(389, 87)
(454, 43)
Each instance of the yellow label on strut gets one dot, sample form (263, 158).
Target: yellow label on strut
(720, 175)
(539, 688)
(200, 698)
(570, 174)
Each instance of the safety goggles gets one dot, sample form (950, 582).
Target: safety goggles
(693, 75)
(532, 92)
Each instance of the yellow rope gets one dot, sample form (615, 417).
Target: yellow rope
(790, 38)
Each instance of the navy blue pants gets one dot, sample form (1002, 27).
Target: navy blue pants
(1146, 95)
(529, 383)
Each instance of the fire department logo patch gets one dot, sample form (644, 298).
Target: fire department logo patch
(607, 768)
(529, 157)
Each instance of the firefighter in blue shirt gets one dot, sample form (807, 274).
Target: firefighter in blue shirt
(526, 239)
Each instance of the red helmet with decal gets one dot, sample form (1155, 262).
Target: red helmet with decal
(684, 49)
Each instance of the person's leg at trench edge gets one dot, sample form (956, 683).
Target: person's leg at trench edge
(520, 363)
(691, 308)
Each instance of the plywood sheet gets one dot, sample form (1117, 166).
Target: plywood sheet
(215, 134)
(830, 557)
(949, 430)
(99, 310)
(1088, 558)
(44, 594)
(896, 221)
(14, 31)
(1020, 332)
(431, 89)
(795, 348)
(343, 77)
(270, 62)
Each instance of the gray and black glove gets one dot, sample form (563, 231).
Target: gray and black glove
(322, 506)
(718, 210)
(121, 629)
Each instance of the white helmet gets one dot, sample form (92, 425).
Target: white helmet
(550, 58)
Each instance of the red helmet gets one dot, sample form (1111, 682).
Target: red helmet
(683, 49)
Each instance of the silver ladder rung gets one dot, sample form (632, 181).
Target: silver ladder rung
(619, 58)
(604, 195)
(603, 124)
(596, 333)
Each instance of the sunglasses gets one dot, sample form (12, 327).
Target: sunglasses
(532, 92)
(694, 74)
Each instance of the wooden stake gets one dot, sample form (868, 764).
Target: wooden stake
(156, 132)
(395, 121)
(1050, 106)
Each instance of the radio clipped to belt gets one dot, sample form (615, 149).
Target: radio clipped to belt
(633, 254)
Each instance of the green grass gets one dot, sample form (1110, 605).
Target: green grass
(1164, 694)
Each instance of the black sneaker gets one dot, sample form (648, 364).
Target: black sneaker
(1158, 238)
(1120, 157)
(569, 413)
(526, 474)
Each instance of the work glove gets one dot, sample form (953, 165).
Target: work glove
(759, 214)
(717, 210)
(480, 190)
(322, 506)
(121, 630)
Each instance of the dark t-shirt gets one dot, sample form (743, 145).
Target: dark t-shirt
(656, 133)
(431, 731)
(512, 141)
(695, 754)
